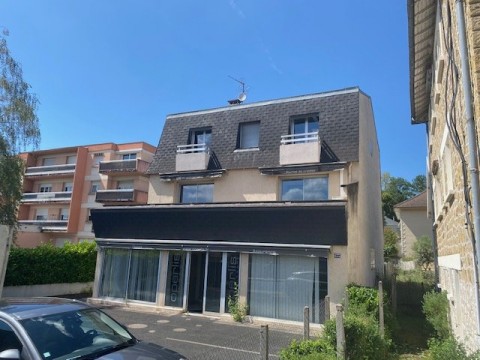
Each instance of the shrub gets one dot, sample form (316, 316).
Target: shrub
(320, 349)
(435, 308)
(449, 349)
(47, 264)
(390, 248)
(237, 309)
(423, 252)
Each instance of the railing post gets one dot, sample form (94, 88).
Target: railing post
(340, 330)
(380, 309)
(306, 323)
(327, 307)
(264, 342)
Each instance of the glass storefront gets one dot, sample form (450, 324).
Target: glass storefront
(175, 279)
(130, 274)
(281, 286)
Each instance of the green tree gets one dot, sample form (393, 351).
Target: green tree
(419, 184)
(423, 252)
(390, 247)
(18, 129)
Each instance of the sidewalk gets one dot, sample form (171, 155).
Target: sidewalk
(201, 337)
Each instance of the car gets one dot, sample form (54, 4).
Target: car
(63, 329)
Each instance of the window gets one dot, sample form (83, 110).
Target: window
(8, 338)
(45, 188)
(125, 185)
(201, 136)
(249, 135)
(305, 189)
(132, 156)
(201, 193)
(48, 161)
(68, 186)
(72, 159)
(41, 214)
(97, 158)
(64, 214)
(95, 187)
(302, 126)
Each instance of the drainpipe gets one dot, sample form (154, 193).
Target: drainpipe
(472, 143)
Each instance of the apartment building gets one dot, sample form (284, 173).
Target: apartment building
(61, 186)
(279, 199)
(444, 89)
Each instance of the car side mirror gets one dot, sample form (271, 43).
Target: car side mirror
(10, 354)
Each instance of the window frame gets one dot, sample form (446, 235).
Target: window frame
(193, 135)
(306, 121)
(183, 186)
(241, 128)
(129, 156)
(303, 180)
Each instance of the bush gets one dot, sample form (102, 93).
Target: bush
(320, 349)
(435, 308)
(47, 264)
(423, 252)
(449, 349)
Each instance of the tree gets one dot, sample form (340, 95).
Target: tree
(390, 249)
(397, 189)
(423, 252)
(18, 129)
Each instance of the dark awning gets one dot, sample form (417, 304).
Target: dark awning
(242, 225)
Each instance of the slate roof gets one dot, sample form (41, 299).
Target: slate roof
(338, 113)
(419, 201)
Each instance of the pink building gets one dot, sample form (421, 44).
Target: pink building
(62, 185)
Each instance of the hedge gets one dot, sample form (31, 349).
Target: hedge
(47, 264)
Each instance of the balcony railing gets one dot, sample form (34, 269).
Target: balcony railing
(300, 149)
(123, 166)
(47, 196)
(299, 138)
(119, 195)
(50, 170)
(192, 157)
(45, 225)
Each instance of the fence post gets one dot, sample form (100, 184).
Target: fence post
(380, 309)
(327, 307)
(264, 342)
(340, 334)
(306, 323)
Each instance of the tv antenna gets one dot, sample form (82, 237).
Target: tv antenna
(242, 96)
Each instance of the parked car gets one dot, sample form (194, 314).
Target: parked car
(62, 329)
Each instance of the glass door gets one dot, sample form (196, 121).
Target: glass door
(213, 282)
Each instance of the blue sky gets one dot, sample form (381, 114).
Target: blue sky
(112, 70)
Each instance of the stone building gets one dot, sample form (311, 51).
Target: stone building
(444, 39)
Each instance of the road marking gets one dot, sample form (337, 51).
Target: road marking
(218, 347)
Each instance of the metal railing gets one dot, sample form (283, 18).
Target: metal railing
(39, 170)
(46, 196)
(299, 138)
(118, 166)
(192, 148)
(115, 195)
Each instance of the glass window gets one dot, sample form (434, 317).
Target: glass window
(114, 274)
(68, 186)
(304, 125)
(72, 159)
(200, 193)
(281, 286)
(129, 156)
(305, 189)
(125, 185)
(45, 188)
(64, 214)
(175, 279)
(233, 261)
(41, 214)
(8, 338)
(201, 136)
(48, 161)
(249, 135)
(96, 185)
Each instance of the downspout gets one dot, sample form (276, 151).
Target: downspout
(472, 143)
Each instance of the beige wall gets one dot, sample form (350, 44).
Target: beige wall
(414, 223)
(338, 276)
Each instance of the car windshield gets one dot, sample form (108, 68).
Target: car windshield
(83, 334)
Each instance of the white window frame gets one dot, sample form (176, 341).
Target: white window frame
(255, 125)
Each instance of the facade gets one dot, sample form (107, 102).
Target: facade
(61, 186)
(278, 200)
(444, 86)
(414, 223)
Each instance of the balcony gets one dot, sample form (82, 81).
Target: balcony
(39, 171)
(123, 166)
(43, 225)
(121, 196)
(42, 197)
(192, 157)
(300, 149)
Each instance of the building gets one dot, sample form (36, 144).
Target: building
(414, 223)
(444, 82)
(279, 199)
(61, 186)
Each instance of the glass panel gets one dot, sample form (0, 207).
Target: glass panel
(114, 273)
(233, 261)
(315, 188)
(205, 193)
(262, 285)
(197, 193)
(299, 126)
(292, 190)
(175, 279)
(202, 137)
(249, 135)
(143, 277)
(8, 339)
(312, 124)
(214, 282)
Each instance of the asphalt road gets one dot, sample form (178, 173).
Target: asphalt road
(202, 337)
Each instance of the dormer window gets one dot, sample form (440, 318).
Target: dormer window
(249, 134)
(201, 136)
(304, 128)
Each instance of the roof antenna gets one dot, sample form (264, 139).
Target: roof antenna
(242, 96)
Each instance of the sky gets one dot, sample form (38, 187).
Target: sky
(112, 70)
